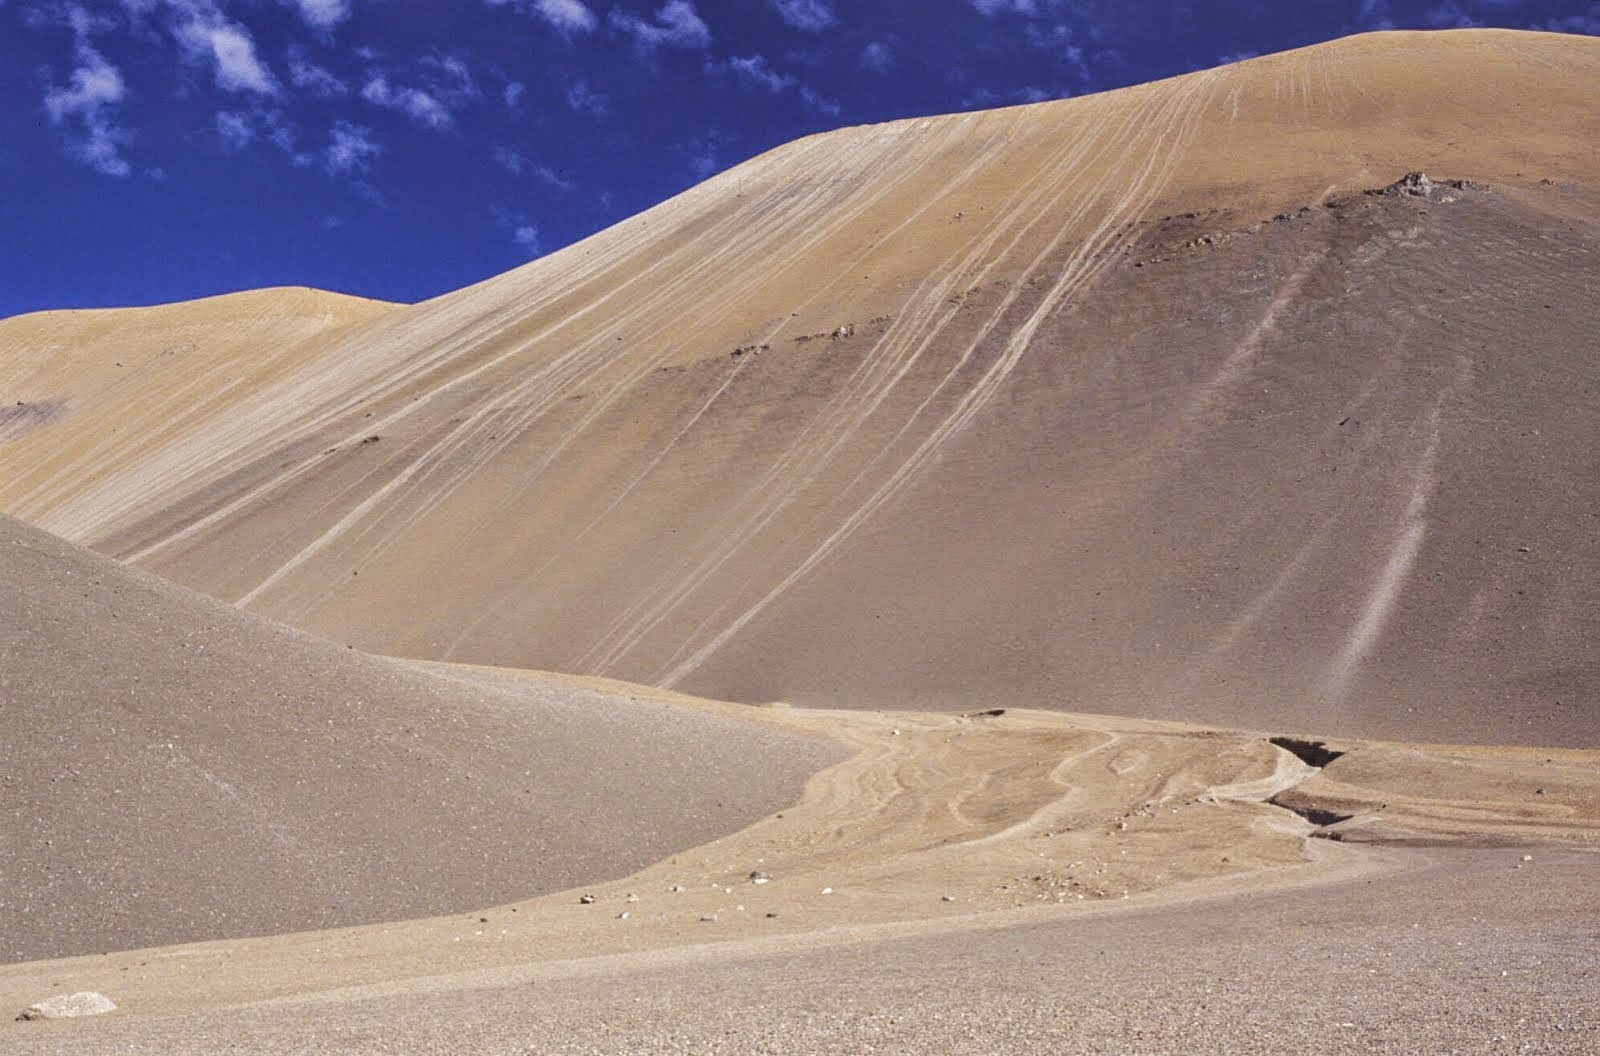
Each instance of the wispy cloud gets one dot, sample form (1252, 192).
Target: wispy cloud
(323, 14)
(351, 148)
(567, 16)
(585, 100)
(234, 129)
(318, 80)
(753, 69)
(527, 236)
(813, 16)
(877, 57)
(677, 25)
(517, 163)
(85, 103)
(1000, 7)
(413, 102)
(446, 86)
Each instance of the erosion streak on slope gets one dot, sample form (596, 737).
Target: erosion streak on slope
(298, 393)
(913, 334)
(548, 385)
(1408, 539)
(745, 280)
(1079, 270)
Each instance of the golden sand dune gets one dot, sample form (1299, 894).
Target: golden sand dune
(173, 769)
(1130, 403)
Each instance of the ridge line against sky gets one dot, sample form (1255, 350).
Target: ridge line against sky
(153, 150)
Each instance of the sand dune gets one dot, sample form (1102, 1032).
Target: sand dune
(174, 770)
(1129, 403)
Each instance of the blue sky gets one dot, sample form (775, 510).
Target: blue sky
(153, 150)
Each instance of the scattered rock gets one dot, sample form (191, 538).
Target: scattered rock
(70, 1006)
(624, 915)
(947, 898)
(708, 918)
(1527, 857)
(758, 877)
(772, 914)
(827, 890)
(1417, 185)
(847, 330)
(372, 439)
(675, 888)
(631, 897)
(586, 900)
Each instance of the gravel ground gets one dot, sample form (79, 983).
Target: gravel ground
(1461, 951)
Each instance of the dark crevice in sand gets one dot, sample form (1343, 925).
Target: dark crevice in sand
(1312, 753)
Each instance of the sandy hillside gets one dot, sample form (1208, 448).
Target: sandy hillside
(1130, 403)
(950, 858)
(173, 769)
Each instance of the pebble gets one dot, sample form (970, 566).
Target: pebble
(758, 877)
(708, 918)
(586, 900)
(947, 898)
(624, 915)
(827, 890)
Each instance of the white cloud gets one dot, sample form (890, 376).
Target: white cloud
(413, 102)
(999, 7)
(515, 162)
(812, 16)
(323, 14)
(527, 236)
(303, 73)
(555, 179)
(232, 53)
(235, 129)
(513, 93)
(447, 85)
(877, 57)
(449, 79)
(510, 159)
(586, 100)
(754, 69)
(567, 16)
(351, 148)
(94, 87)
(677, 25)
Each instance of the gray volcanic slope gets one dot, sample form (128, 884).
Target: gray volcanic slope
(1131, 403)
(1460, 950)
(172, 769)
